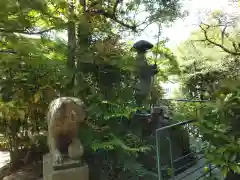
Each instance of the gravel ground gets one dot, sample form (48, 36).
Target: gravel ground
(4, 158)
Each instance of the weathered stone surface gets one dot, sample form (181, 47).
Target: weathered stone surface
(70, 169)
(142, 45)
(4, 171)
(25, 173)
(64, 116)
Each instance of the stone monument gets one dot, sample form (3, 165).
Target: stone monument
(64, 161)
(145, 71)
(145, 124)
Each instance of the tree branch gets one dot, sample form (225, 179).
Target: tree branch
(113, 17)
(205, 31)
(83, 4)
(223, 34)
(116, 5)
(27, 32)
(8, 51)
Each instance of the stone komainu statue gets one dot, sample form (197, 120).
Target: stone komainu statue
(64, 116)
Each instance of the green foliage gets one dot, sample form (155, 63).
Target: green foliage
(166, 61)
(214, 77)
(111, 144)
(33, 72)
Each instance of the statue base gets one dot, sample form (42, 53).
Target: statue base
(70, 169)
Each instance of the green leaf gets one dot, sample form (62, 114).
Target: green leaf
(235, 167)
(227, 155)
(224, 171)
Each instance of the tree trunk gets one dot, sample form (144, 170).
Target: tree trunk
(71, 29)
(71, 36)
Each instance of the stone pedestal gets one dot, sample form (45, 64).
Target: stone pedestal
(70, 170)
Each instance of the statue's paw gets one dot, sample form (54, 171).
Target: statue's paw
(75, 150)
(58, 158)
